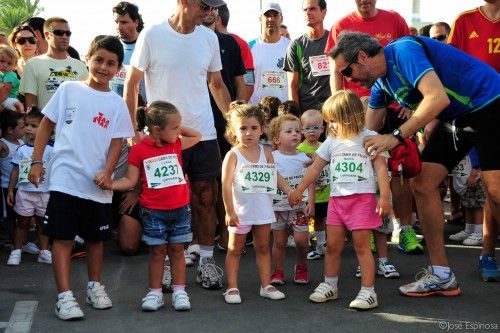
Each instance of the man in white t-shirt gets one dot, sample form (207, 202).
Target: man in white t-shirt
(268, 53)
(177, 58)
(45, 73)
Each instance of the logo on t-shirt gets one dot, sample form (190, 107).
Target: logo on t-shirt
(473, 34)
(281, 63)
(58, 76)
(101, 120)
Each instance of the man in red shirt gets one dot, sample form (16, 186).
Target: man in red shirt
(477, 32)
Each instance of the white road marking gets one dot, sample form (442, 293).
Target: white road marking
(22, 317)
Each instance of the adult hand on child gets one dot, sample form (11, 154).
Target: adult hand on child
(103, 180)
(35, 176)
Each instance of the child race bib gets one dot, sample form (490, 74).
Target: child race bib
(163, 171)
(349, 168)
(24, 170)
(281, 199)
(323, 178)
(257, 178)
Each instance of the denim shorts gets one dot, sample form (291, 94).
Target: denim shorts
(166, 226)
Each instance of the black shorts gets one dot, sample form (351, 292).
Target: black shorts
(391, 121)
(202, 161)
(478, 129)
(68, 216)
(224, 146)
(115, 208)
(320, 209)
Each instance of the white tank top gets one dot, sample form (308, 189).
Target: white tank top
(251, 208)
(5, 163)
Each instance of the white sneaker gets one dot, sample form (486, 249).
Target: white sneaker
(275, 294)
(189, 260)
(45, 257)
(180, 301)
(14, 258)
(68, 309)
(387, 269)
(152, 302)
(317, 253)
(459, 236)
(30, 248)
(364, 301)
(97, 297)
(194, 251)
(324, 292)
(474, 239)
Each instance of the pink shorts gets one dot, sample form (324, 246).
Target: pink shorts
(354, 212)
(31, 203)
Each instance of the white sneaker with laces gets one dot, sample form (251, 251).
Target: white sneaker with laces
(459, 236)
(30, 248)
(45, 257)
(97, 297)
(474, 239)
(317, 253)
(68, 309)
(387, 269)
(14, 258)
(427, 284)
(180, 301)
(152, 302)
(364, 301)
(324, 292)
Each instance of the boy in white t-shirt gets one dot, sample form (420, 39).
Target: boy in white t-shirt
(91, 123)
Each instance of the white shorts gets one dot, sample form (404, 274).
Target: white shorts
(31, 203)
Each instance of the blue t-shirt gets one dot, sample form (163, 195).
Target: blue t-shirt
(470, 83)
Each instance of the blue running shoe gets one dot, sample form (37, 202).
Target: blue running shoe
(488, 268)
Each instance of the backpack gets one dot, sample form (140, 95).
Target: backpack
(405, 160)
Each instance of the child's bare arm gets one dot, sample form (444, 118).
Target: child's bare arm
(14, 174)
(128, 182)
(190, 137)
(311, 174)
(380, 166)
(42, 137)
(103, 177)
(228, 167)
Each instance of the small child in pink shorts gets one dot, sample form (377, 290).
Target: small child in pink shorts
(353, 205)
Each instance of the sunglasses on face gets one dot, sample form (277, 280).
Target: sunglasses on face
(347, 72)
(23, 40)
(60, 32)
(311, 128)
(440, 37)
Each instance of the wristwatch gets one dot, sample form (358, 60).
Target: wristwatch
(398, 134)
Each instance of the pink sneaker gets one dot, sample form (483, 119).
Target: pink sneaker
(278, 277)
(301, 276)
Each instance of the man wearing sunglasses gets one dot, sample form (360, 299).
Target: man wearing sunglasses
(178, 58)
(43, 74)
(422, 75)
(440, 31)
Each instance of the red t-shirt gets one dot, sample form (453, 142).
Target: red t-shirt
(479, 36)
(385, 27)
(166, 198)
(246, 54)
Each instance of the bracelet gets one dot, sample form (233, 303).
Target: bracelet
(36, 162)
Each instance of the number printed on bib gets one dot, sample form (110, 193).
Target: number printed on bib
(119, 78)
(463, 168)
(24, 170)
(258, 178)
(319, 65)
(163, 171)
(323, 178)
(349, 168)
(273, 79)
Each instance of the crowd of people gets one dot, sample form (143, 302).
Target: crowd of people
(183, 136)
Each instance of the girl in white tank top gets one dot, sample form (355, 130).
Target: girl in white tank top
(249, 179)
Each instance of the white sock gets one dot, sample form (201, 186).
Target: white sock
(478, 228)
(332, 281)
(441, 271)
(469, 228)
(206, 252)
(91, 284)
(369, 289)
(406, 227)
(64, 294)
(320, 238)
(383, 259)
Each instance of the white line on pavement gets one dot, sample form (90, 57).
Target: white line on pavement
(22, 317)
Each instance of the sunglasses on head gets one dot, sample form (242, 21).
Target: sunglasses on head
(311, 128)
(205, 7)
(440, 37)
(60, 32)
(23, 40)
